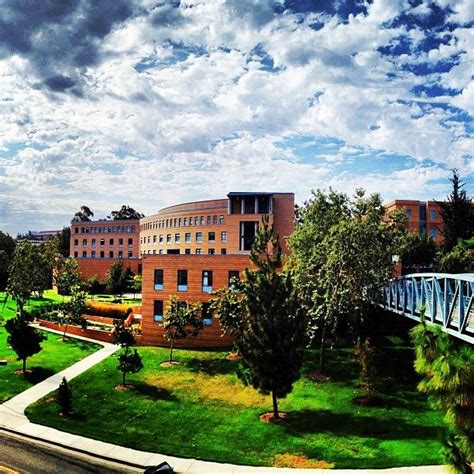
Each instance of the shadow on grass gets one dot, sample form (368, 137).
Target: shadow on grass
(211, 366)
(153, 392)
(38, 374)
(346, 424)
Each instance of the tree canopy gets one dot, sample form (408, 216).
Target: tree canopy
(7, 248)
(83, 215)
(125, 213)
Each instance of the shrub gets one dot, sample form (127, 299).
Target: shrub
(108, 310)
(64, 397)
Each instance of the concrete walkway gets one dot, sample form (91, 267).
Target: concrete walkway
(12, 418)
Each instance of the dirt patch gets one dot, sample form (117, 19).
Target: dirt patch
(299, 461)
(169, 364)
(366, 401)
(318, 377)
(23, 372)
(124, 388)
(234, 356)
(269, 418)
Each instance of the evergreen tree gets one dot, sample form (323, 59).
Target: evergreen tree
(24, 339)
(447, 368)
(119, 278)
(129, 361)
(125, 213)
(66, 275)
(457, 214)
(181, 320)
(64, 397)
(273, 329)
(7, 248)
(84, 215)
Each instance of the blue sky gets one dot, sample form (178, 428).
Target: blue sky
(150, 103)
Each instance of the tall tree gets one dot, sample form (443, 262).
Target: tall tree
(125, 213)
(418, 253)
(7, 248)
(66, 275)
(24, 339)
(180, 321)
(272, 339)
(63, 241)
(71, 311)
(119, 278)
(457, 214)
(341, 252)
(84, 215)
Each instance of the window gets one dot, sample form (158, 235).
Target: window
(111, 242)
(207, 281)
(160, 251)
(211, 251)
(93, 242)
(223, 251)
(175, 221)
(158, 310)
(233, 274)
(84, 242)
(408, 213)
(84, 254)
(248, 231)
(208, 220)
(199, 237)
(76, 230)
(206, 314)
(102, 242)
(154, 239)
(102, 254)
(120, 254)
(158, 279)
(203, 221)
(120, 242)
(187, 251)
(177, 238)
(182, 280)
(75, 254)
(214, 219)
(148, 239)
(198, 251)
(223, 236)
(93, 254)
(196, 220)
(130, 254)
(433, 215)
(130, 241)
(211, 236)
(187, 237)
(168, 238)
(185, 221)
(161, 238)
(263, 204)
(111, 254)
(76, 242)
(433, 233)
(221, 219)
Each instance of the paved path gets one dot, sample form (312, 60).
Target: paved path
(12, 418)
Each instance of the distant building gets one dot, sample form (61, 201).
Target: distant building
(424, 217)
(38, 237)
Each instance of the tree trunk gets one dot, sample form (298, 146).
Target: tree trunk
(275, 405)
(171, 350)
(321, 349)
(123, 377)
(24, 365)
(64, 333)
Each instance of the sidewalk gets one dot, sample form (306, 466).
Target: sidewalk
(12, 418)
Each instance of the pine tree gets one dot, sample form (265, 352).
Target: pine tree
(273, 329)
(457, 214)
(64, 397)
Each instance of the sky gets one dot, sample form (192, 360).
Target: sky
(152, 103)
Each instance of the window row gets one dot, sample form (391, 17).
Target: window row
(158, 310)
(101, 254)
(182, 279)
(176, 238)
(102, 242)
(183, 221)
(198, 251)
(114, 229)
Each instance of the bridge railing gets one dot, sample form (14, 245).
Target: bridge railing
(447, 299)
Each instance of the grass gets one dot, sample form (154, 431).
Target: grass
(55, 356)
(200, 409)
(111, 298)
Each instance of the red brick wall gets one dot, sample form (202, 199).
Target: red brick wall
(152, 332)
(100, 266)
(96, 334)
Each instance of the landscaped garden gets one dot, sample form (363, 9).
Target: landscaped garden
(55, 356)
(201, 409)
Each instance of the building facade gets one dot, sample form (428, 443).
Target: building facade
(97, 244)
(193, 249)
(423, 217)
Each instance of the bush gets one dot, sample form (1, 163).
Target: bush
(64, 397)
(108, 310)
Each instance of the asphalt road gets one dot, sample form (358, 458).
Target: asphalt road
(20, 455)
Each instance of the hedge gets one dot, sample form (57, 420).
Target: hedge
(108, 310)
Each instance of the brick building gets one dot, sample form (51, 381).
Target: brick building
(97, 244)
(192, 249)
(423, 217)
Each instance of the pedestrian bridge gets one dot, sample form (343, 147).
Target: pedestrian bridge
(448, 299)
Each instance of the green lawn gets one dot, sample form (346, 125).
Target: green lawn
(55, 356)
(200, 409)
